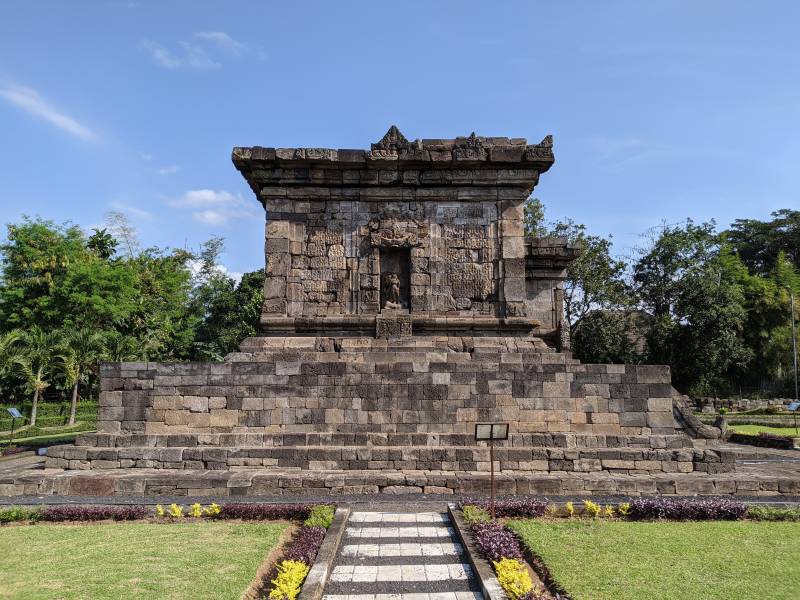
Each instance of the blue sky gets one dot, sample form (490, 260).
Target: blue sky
(660, 110)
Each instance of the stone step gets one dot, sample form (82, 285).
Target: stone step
(411, 596)
(327, 483)
(400, 553)
(394, 458)
(342, 439)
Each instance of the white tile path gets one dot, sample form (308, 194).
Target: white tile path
(401, 556)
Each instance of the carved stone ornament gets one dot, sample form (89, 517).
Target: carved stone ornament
(393, 326)
(393, 140)
(393, 237)
(543, 149)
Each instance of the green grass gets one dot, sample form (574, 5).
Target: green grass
(756, 429)
(186, 561)
(628, 560)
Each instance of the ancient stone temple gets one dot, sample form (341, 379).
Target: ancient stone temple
(403, 305)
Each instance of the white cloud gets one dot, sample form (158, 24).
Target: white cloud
(146, 156)
(32, 102)
(133, 211)
(214, 207)
(192, 56)
(195, 265)
(168, 170)
(221, 39)
(161, 55)
(196, 58)
(206, 197)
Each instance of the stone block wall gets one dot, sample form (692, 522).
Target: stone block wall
(428, 393)
(377, 404)
(324, 258)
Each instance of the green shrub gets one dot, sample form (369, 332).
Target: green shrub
(767, 513)
(18, 513)
(722, 410)
(475, 514)
(321, 515)
(591, 509)
(289, 580)
(513, 577)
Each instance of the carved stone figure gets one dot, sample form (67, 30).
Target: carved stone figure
(391, 291)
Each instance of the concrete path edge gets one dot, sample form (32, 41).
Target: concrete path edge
(317, 578)
(484, 572)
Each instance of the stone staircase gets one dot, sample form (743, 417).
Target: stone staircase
(404, 556)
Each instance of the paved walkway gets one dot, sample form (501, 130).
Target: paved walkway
(401, 556)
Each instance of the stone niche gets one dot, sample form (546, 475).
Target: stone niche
(437, 224)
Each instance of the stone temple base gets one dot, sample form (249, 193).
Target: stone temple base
(298, 483)
(361, 404)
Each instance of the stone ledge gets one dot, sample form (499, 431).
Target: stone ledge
(152, 483)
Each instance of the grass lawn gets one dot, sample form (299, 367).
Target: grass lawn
(619, 560)
(755, 429)
(214, 560)
(44, 439)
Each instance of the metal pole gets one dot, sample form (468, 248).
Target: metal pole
(794, 344)
(794, 353)
(491, 461)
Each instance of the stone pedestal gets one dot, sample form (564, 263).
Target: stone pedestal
(393, 325)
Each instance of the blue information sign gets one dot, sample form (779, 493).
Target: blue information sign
(794, 406)
(14, 413)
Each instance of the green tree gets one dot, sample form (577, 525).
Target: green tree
(533, 218)
(596, 279)
(118, 347)
(231, 313)
(36, 257)
(687, 281)
(36, 353)
(102, 243)
(610, 336)
(760, 243)
(79, 353)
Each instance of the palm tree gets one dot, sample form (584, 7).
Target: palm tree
(79, 352)
(8, 350)
(119, 347)
(37, 351)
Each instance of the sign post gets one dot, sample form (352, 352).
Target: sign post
(489, 432)
(794, 407)
(15, 414)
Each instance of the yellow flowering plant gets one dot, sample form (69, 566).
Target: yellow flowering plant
(289, 581)
(513, 577)
(591, 509)
(175, 511)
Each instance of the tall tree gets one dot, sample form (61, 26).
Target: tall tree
(759, 243)
(596, 279)
(37, 351)
(687, 282)
(79, 353)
